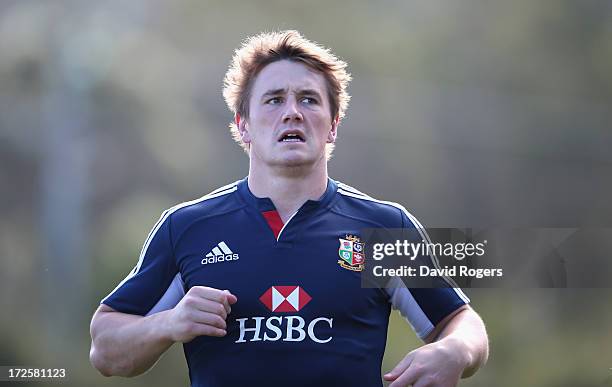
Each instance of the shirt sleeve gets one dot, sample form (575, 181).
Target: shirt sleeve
(424, 308)
(153, 279)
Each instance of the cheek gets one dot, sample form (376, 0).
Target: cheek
(323, 122)
(265, 118)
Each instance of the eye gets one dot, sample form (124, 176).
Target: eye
(310, 101)
(274, 101)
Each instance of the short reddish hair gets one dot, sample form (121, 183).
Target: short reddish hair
(260, 50)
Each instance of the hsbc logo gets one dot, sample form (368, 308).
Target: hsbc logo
(286, 328)
(285, 298)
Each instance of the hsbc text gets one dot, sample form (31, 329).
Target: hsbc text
(295, 330)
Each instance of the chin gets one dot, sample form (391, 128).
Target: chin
(294, 160)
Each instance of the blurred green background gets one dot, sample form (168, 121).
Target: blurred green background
(470, 113)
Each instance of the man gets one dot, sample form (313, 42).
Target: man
(248, 277)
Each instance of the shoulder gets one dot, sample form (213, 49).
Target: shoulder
(218, 202)
(390, 214)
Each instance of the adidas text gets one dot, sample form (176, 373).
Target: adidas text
(220, 258)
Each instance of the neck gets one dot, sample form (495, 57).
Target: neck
(290, 188)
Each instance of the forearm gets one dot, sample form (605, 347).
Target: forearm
(467, 333)
(127, 345)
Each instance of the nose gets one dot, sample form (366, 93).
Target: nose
(292, 111)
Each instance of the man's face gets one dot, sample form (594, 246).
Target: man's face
(289, 119)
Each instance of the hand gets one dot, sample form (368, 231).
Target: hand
(202, 312)
(439, 364)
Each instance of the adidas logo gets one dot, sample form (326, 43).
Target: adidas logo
(220, 253)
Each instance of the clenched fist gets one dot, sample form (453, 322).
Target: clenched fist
(202, 312)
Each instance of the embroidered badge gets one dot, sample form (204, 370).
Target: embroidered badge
(351, 252)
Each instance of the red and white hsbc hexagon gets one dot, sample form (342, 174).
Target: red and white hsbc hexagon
(283, 299)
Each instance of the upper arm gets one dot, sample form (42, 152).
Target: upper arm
(97, 314)
(442, 324)
(425, 308)
(97, 321)
(104, 308)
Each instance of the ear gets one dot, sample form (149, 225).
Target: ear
(333, 133)
(243, 128)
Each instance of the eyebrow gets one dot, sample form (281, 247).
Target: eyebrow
(273, 92)
(270, 93)
(309, 92)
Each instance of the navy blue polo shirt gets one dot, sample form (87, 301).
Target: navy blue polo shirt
(302, 317)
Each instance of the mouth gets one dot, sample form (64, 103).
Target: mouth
(292, 136)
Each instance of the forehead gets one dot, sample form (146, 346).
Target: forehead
(289, 75)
